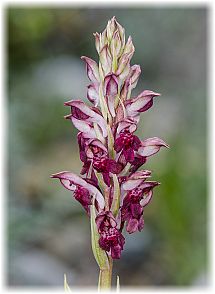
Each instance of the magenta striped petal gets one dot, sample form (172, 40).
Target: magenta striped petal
(147, 188)
(123, 63)
(92, 69)
(70, 181)
(136, 179)
(83, 126)
(105, 59)
(110, 91)
(129, 47)
(97, 41)
(151, 146)
(134, 74)
(127, 123)
(96, 144)
(141, 103)
(93, 94)
(94, 117)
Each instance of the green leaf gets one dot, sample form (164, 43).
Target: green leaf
(101, 182)
(111, 150)
(103, 104)
(116, 197)
(99, 254)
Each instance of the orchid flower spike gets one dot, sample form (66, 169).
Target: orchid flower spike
(111, 189)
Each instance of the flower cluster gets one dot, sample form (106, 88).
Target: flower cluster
(109, 149)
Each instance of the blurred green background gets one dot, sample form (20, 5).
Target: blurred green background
(48, 231)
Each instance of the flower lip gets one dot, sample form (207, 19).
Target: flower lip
(111, 239)
(105, 219)
(128, 143)
(133, 205)
(82, 195)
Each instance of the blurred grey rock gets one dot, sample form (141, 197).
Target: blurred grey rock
(63, 76)
(201, 280)
(72, 242)
(38, 268)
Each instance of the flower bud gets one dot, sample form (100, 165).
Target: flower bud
(134, 74)
(116, 44)
(110, 91)
(97, 41)
(105, 59)
(129, 47)
(111, 27)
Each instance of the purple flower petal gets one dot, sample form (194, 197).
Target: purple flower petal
(136, 143)
(128, 124)
(93, 94)
(116, 251)
(70, 181)
(141, 103)
(147, 198)
(136, 209)
(129, 154)
(92, 69)
(106, 178)
(132, 225)
(134, 74)
(83, 126)
(105, 59)
(90, 115)
(82, 195)
(137, 163)
(130, 82)
(110, 91)
(105, 219)
(135, 180)
(124, 64)
(151, 146)
(113, 166)
(118, 144)
(95, 148)
(129, 47)
(111, 239)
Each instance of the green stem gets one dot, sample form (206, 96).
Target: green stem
(105, 277)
